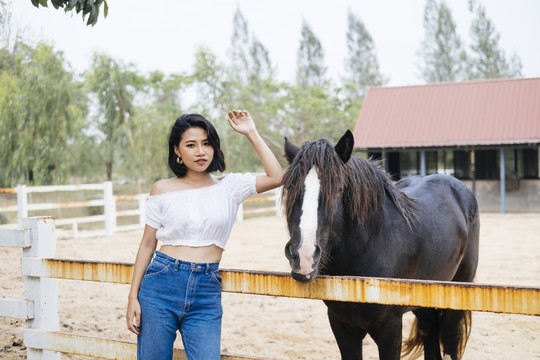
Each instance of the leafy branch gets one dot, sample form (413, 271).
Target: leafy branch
(87, 7)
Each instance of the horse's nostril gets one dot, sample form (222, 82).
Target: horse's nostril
(317, 253)
(289, 252)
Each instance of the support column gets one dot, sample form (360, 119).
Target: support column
(503, 181)
(110, 208)
(473, 171)
(22, 202)
(423, 163)
(42, 291)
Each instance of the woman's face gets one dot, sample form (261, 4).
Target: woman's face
(195, 150)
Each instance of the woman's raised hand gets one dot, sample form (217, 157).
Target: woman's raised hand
(241, 121)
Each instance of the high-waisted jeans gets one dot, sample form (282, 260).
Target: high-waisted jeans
(179, 295)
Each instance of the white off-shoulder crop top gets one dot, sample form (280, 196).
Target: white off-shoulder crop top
(199, 217)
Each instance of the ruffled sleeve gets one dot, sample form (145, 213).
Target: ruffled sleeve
(153, 212)
(243, 186)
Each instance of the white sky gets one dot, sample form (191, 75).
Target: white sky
(164, 34)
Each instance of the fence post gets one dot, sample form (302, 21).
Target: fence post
(279, 208)
(240, 213)
(42, 291)
(142, 209)
(109, 208)
(22, 202)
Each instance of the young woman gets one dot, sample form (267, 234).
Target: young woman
(179, 287)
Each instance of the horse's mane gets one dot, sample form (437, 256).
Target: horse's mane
(364, 183)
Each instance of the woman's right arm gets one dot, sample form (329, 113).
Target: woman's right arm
(144, 256)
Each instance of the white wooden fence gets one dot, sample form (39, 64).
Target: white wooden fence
(108, 202)
(40, 305)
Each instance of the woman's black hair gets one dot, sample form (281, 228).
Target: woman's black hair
(185, 122)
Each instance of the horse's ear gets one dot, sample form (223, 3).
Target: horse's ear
(290, 151)
(344, 147)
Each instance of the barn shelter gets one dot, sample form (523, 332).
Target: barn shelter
(485, 133)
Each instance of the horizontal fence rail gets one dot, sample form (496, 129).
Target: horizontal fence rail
(107, 348)
(109, 204)
(15, 238)
(437, 294)
(17, 309)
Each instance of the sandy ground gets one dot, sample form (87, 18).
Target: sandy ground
(282, 328)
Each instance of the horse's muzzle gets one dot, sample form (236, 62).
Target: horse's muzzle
(300, 265)
(304, 278)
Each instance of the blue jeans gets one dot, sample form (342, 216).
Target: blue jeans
(179, 295)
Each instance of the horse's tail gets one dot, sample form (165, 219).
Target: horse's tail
(465, 323)
(413, 347)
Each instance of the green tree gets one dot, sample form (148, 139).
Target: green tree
(114, 86)
(442, 55)
(151, 124)
(313, 112)
(6, 26)
(250, 60)
(42, 109)
(86, 7)
(313, 108)
(251, 85)
(310, 62)
(209, 79)
(361, 64)
(488, 60)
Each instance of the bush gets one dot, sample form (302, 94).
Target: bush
(3, 218)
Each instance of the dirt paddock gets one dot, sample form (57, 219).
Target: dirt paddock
(282, 328)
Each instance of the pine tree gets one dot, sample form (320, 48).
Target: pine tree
(310, 67)
(443, 57)
(361, 64)
(488, 60)
(250, 60)
(114, 85)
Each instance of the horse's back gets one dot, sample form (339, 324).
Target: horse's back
(448, 219)
(433, 188)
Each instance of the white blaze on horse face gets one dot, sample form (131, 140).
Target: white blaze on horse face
(308, 222)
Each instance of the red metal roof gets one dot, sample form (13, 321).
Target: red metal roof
(489, 112)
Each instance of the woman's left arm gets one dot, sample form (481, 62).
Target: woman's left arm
(241, 121)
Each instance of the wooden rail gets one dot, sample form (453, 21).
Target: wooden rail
(108, 203)
(107, 348)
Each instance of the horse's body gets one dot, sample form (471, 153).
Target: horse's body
(346, 217)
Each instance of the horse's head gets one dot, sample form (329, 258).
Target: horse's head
(313, 189)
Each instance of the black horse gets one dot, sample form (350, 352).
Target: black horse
(346, 217)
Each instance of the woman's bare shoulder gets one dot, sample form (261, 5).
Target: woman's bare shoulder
(162, 186)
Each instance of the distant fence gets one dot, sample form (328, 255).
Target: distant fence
(108, 202)
(40, 306)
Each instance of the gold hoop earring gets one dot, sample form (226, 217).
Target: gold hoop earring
(178, 160)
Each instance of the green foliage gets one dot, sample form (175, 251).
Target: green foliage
(150, 125)
(114, 85)
(41, 112)
(310, 66)
(442, 55)
(86, 7)
(361, 64)
(114, 122)
(488, 60)
(3, 218)
(249, 83)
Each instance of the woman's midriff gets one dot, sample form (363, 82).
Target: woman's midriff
(203, 254)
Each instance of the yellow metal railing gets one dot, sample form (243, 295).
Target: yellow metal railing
(437, 294)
